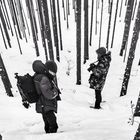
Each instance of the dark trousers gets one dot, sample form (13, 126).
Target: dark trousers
(50, 122)
(98, 98)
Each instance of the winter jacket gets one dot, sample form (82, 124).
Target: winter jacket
(46, 89)
(99, 72)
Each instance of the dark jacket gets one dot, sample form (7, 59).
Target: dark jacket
(99, 72)
(46, 89)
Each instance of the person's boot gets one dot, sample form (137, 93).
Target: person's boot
(46, 128)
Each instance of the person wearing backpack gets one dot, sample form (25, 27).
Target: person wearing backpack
(48, 93)
(99, 73)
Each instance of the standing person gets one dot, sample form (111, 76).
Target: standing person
(99, 73)
(48, 93)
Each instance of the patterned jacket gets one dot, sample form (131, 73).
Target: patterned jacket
(99, 72)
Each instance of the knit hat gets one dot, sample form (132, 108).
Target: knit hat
(51, 67)
(101, 51)
(38, 66)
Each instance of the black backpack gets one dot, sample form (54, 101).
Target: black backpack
(27, 88)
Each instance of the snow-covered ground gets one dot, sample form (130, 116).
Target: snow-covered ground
(75, 119)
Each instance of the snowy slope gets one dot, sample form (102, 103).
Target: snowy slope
(75, 119)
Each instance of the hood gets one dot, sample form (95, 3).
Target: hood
(38, 67)
(106, 56)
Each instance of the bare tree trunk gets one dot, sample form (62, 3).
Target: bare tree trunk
(63, 5)
(5, 27)
(3, 37)
(78, 40)
(127, 25)
(137, 135)
(59, 21)
(86, 45)
(121, 8)
(8, 17)
(114, 23)
(109, 23)
(96, 18)
(125, 2)
(91, 24)
(67, 13)
(48, 29)
(42, 27)
(100, 35)
(28, 3)
(135, 37)
(55, 31)
(5, 78)
(134, 10)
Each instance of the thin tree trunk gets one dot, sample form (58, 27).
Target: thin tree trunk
(48, 29)
(86, 45)
(100, 35)
(15, 17)
(63, 5)
(134, 40)
(12, 12)
(67, 14)
(34, 19)
(78, 40)
(3, 37)
(8, 17)
(73, 4)
(74, 8)
(109, 5)
(55, 31)
(109, 23)
(4, 15)
(24, 16)
(5, 28)
(121, 8)
(98, 4)
(21, 19)
(96, 17)
(134, 10)
(42, 28)
(139, 62)
(91, 24)
(125, 52)
(5, 78)
(137, 135)
(127, 25)
(114, 27)
(32, 27)
(68, 7)
(59, 21)
(125, 2)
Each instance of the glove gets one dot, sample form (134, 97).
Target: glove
(26, 104)
(92, 66)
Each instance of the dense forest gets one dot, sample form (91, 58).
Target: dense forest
(41, 21)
